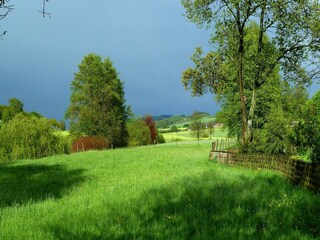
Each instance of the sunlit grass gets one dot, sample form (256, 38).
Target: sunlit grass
(188, 136)
(156, 192)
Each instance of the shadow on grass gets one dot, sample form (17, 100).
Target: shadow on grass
(34, 183)
(211, 206)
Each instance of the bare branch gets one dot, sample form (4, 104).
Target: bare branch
(44, 13)
(6, 8)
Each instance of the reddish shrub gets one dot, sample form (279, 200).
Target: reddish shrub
(90, 143)
(152, 127)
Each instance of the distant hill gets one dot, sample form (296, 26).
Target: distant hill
(181, 120)
(161, 117)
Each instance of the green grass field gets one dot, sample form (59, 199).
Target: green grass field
(157, 192)
(188, 136)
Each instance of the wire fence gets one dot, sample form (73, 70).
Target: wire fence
(299, 172)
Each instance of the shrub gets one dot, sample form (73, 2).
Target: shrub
(306, 133)
(90, 143)
(30, 137)
(174, 128)
(139, 133)
(205, 135)
(160, 139)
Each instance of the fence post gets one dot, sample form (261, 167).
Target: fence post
(213, 146)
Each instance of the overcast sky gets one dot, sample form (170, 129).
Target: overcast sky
(150, 43)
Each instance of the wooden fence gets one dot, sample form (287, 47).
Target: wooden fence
(299, 172)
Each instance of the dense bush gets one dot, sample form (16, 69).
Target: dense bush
(160, 139)
(306, 134)
(90, 143)
(205, 134)
(174, 128)
(139, 133)
(27, 137)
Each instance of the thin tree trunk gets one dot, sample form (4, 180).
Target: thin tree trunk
(251, 115)
(241, 88)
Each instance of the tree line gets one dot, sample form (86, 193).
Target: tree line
(97, 112)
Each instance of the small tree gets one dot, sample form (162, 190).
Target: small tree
(174, 128)
(139, 133)
(160, 139)
(210, 126)
(196, 125)
(152, 127)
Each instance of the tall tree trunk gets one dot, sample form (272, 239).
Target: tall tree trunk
(257, 81)
(241, 88)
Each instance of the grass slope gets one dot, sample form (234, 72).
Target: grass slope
(162, 192)
(181, 120)
(189, 136)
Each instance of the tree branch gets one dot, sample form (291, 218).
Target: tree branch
(44, 13)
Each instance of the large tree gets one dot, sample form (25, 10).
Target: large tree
(295, 29)
(97, 104)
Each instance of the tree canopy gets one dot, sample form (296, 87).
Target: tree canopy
(97, 104)
(293, 46)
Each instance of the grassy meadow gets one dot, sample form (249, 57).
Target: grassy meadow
(157, 192)
(188, 136)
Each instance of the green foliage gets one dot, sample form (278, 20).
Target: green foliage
(276, 132)
(245, 59)
(62, 125)
(210, 126)
(6, 115)
(293, 99)
(306, 136)
(205, 134)
(139, 133)
(197, 126)
(16, 106)
(160, 139)
(2, 107)
(97, 104)
(30, 137)
(8, 112)
(174, 128)
(35, 114)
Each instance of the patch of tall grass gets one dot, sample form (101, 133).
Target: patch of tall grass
(157, 192)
